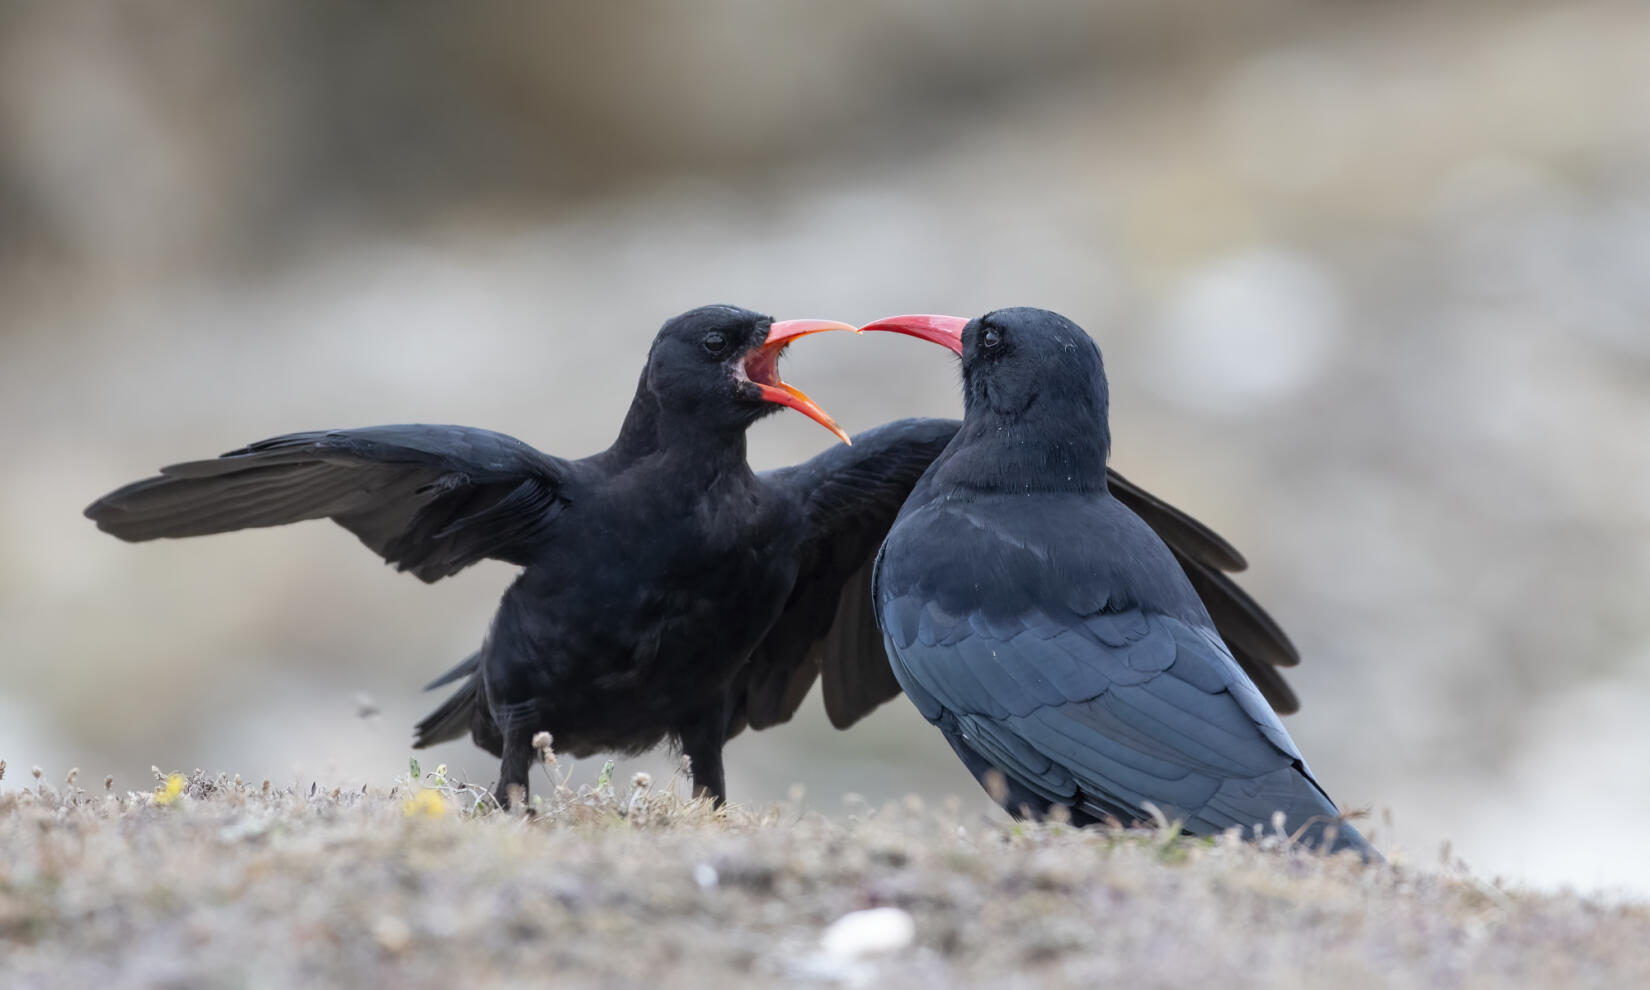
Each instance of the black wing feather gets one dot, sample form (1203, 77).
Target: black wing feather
(1257, 642)
(1174, 527)
(850, 496)
(428, 499)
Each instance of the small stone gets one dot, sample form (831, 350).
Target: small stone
(869, 932)
(706, 877)
(391, 933)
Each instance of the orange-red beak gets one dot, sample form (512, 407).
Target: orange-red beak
(943, 330)
(762, 368)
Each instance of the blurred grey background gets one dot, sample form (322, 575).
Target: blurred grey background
(1373, 282)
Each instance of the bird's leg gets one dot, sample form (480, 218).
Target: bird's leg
(703, 736)
(512, 771)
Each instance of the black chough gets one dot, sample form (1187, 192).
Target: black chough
(1050, 633)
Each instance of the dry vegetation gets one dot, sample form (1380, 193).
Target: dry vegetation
(212, 881)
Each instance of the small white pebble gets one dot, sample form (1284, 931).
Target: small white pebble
(392, 933)
(705, 876)
(864, 933)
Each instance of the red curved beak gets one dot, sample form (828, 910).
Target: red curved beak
(762, 368)
(943, 330)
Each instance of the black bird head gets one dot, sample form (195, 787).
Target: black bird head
(720, 364)
(1034, 390)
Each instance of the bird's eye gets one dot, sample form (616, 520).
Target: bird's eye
(715, 342)
(990, 339)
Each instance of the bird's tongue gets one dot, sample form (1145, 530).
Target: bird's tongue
(762, 368)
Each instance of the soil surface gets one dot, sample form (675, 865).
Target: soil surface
(212, 881)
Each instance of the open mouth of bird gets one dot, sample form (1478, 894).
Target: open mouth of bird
(761, 368)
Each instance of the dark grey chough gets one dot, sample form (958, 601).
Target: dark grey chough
(1048, 631)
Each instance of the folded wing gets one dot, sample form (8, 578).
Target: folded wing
(1107, 713)
(1258, 643)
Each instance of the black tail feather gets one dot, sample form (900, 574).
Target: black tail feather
(453, 719)
(465, 667)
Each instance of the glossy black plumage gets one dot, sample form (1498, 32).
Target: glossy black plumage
(667, 591)
(1052, 635)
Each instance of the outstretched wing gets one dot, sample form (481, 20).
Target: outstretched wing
(428, 499)
(850, 496)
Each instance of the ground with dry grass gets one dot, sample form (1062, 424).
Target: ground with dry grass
(212, 881)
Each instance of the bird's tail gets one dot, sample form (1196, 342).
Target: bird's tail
(464, 668)
(1346, 837)
(1309, 814)
(451, 720)
(457, 714)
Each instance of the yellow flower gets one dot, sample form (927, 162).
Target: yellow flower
(170, 791)
(426, 803)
